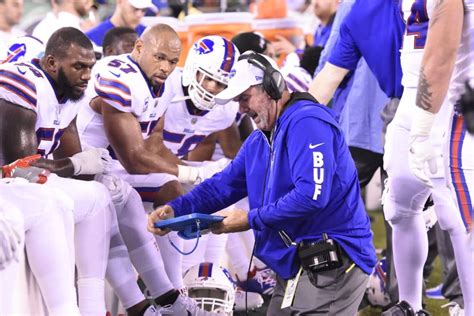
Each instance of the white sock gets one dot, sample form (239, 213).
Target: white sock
(148, 262)
(122, 277)
(464, 265)
(92, 299)
(171, 258)
(410, 250)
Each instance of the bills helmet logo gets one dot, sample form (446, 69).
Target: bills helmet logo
(205, 46)
(15, 52)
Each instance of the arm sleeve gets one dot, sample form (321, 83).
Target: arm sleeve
(311, 156)
(342, 11)
(216, 193)
(345, 53)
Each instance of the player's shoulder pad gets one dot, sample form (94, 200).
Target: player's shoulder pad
(20, 84)
(113, 82)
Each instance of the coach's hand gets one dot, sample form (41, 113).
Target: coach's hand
(160, 214)
(235, 220)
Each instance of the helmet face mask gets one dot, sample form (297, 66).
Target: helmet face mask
(211, 287)
(376, 290)
(211, 57)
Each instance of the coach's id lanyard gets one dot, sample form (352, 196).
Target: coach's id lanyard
(290, 290)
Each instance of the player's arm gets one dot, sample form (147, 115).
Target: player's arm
(442, 43)
(229, 139)
(19, 139)
(204, 149)
(124, 134)
(326, 82)
(155, 143)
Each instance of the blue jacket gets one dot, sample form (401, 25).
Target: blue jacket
(97, 33)
(305, 184)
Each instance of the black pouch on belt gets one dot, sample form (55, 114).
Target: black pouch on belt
(320, 256)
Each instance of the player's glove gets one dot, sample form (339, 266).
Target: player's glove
(115, 185)
(10, 239)
(21, 169)
(421, 151)
(91, 161)
(195, 175)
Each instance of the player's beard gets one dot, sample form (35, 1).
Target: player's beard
(64, 85)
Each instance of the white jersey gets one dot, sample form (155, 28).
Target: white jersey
(183, 131)
(416, 15)
(26, 85)
(119, 81)
(464, 67)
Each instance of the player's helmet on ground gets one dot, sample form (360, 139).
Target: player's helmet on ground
(23, 48)
(376, 290)
(211, 56)
(211, 287)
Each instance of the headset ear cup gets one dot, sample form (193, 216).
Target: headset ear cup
(269, 86)
(279, 82)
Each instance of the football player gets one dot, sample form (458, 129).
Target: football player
(445, 68)
(38, 106)
(44, 225)
(406, 195)
(125, 101)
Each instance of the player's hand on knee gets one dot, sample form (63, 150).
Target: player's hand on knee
(160, 214)
(421, 153)
(21, 168)
(91, 161)
(115, 185)
(10, 239)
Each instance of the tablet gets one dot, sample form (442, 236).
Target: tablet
(187, 225)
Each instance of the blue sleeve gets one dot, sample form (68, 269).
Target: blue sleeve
(310, 150)
(345, 53)
(140, 29)
(216, 193)
(342, 11)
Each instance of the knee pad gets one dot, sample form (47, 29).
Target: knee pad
(403, 197)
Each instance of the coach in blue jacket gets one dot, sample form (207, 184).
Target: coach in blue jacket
(301, 182)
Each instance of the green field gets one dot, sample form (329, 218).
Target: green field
(433, 306)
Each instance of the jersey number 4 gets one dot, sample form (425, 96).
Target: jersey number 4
(417, 23)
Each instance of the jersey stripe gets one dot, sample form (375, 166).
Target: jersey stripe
(148, 194)
(229, 56)
(113, 95)
(172, 137)
(115, 85)
(205, 270)
(20, 79)
(457, 174)
(20, 86)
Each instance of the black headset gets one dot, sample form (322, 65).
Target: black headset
(273, 81)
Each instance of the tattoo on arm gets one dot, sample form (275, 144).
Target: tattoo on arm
(424, 94)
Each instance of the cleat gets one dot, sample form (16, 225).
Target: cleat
(260, 281)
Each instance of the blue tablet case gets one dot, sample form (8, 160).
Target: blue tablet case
(187, 225)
